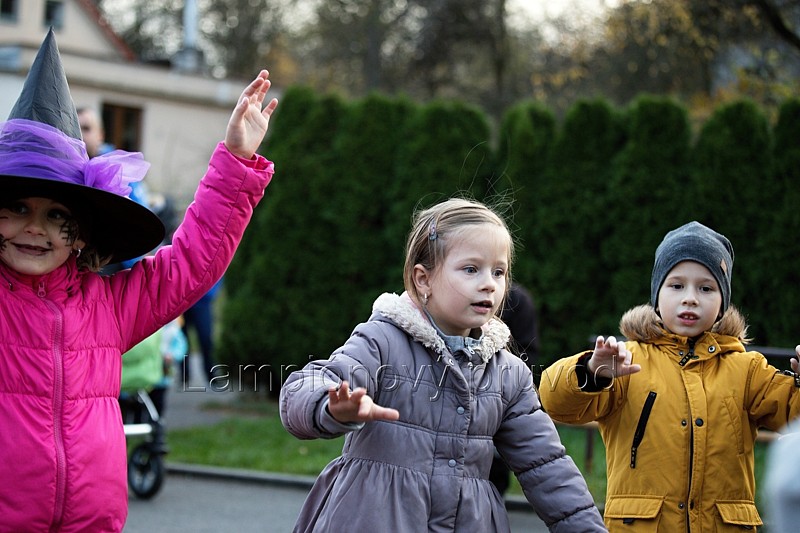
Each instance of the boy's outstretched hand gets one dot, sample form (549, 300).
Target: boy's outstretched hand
(795, 361)
(610, 359)
(249, 122)
(355, 406)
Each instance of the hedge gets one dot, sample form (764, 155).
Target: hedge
(588, 200)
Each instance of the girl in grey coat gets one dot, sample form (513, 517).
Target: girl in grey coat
(424, 391)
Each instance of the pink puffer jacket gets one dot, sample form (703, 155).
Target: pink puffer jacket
(62, 447)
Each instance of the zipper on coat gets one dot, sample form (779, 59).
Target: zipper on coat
(791, 374)
(640, 427)
(58, 411)
(689, 354)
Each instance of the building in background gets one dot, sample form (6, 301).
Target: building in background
(168, 112)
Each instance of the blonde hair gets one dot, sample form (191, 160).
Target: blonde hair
(91, 260)
(433, 228)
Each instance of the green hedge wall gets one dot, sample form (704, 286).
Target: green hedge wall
(588, 200)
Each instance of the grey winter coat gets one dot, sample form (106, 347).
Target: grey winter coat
(429, 470)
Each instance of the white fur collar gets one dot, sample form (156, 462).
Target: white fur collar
(407, 316)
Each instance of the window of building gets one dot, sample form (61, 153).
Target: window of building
(123, 126)
(54, 14)
(8, 10)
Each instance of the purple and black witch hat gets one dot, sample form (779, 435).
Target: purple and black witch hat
(42, 154)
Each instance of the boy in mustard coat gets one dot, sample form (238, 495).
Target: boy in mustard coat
(680, 402)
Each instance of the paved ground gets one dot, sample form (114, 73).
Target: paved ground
(202, 499)
(207, 501)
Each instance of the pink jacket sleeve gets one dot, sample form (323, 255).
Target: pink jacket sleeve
(159, 288)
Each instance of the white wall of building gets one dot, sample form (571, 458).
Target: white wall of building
(183, 115)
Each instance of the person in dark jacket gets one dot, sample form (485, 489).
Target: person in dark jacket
(519, 314)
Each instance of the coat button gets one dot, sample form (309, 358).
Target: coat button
(712, 349)
(460, 410)
(452, 463)
(699, 422)
(684, 422)
(681, 505)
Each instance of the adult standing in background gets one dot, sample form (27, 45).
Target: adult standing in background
(519, 314)
(94, 136)
(93, 132)
(200, 318)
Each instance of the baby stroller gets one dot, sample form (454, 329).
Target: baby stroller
(143, 369)
(146, 469)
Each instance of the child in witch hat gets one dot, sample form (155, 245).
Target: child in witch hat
(64, 327)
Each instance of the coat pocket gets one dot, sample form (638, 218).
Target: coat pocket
(735, 416)
(638, 513)
(737, 515)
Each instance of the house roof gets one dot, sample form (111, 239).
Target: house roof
(93, 11)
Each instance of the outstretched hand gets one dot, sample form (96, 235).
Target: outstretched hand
(248, 123)
(795, 361)
(611, 359)
(356, 406)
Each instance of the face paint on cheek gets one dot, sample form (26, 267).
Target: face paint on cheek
(70, 231)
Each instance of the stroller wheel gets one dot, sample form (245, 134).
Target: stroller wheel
(145, 471)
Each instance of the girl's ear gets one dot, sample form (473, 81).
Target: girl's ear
(422, 279)
(78, 245)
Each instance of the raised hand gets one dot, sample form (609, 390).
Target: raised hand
(248, 123)
(356, 406)
(795, 361)
(610, 359)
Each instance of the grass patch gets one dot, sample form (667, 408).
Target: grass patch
(254, 438)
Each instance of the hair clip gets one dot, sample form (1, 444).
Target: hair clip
(432, 235)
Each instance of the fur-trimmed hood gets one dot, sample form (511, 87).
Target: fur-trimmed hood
(643, 324)
(402, 311)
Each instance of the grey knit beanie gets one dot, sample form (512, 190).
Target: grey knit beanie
(694, 242)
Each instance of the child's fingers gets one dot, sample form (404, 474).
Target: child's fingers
(340, 393)
(599, 342)
(270, 107)
(625, 354)
(607, 346)
(626, 370)
(369, 410)
(384, 413)
(333, 395)
(260, 86)
(257, 88)
(358, 393)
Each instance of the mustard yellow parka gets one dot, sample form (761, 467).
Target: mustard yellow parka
(679, 434)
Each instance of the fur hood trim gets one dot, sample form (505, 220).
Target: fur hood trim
(401, 310)
(643, 324)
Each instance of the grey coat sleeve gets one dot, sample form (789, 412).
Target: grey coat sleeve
(551, 481)
(304, 395)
